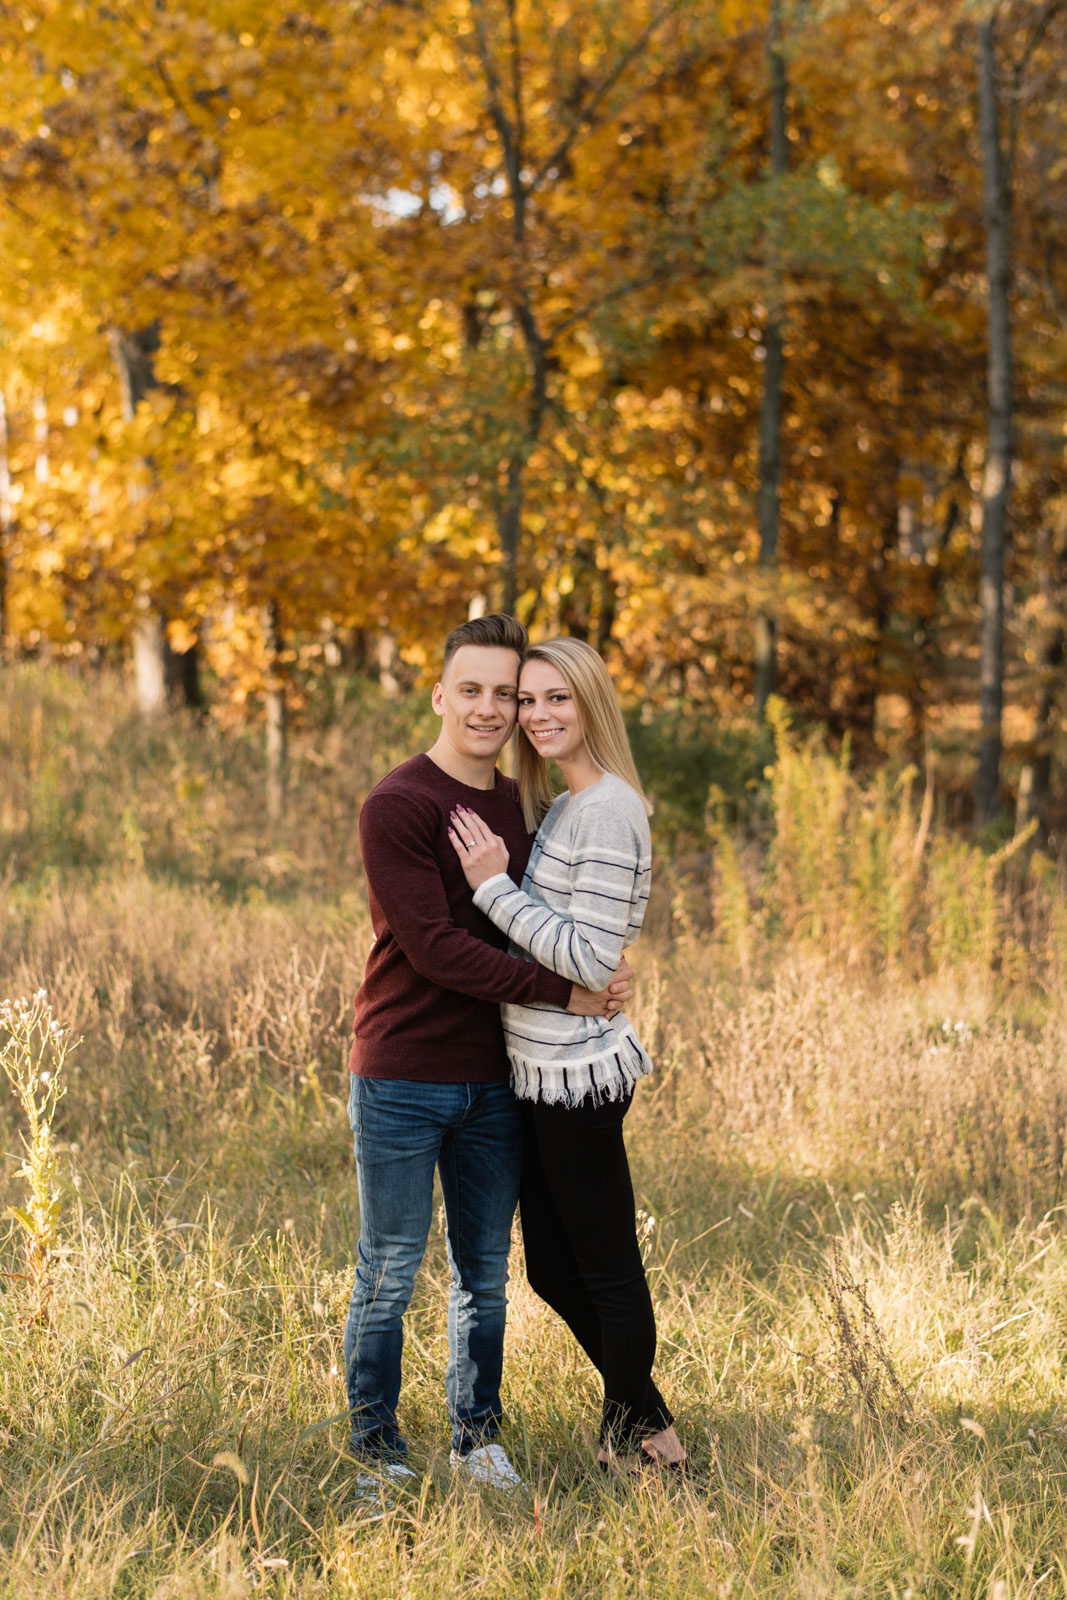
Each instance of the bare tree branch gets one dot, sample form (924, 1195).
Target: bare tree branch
(506, 130)
(619, 292)
(1041, 27)
(586, 116)
(516, 85)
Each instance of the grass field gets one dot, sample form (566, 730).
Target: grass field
(851, 1160)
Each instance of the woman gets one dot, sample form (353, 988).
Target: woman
(582, 900)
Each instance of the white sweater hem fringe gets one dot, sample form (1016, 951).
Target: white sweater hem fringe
(609, 1077)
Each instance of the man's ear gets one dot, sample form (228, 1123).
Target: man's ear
(437, 699)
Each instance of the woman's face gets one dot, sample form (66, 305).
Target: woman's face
(547, 713)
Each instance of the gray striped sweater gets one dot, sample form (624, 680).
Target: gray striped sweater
(581, 903)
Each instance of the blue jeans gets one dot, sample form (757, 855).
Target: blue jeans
(402, 1131)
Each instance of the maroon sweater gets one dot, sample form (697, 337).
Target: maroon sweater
(429, 1005)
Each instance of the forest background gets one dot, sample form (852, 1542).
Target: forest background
(728, 337)
(731, 338)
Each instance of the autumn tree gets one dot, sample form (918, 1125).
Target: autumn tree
(481, 301)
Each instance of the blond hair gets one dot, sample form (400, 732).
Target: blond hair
(599, 718)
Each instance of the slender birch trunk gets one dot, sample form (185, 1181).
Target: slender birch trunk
(768, 500)
(7, 521)
(996, 488)
(1035, 779)
(132, 354)
(277, 718)
(161, 675)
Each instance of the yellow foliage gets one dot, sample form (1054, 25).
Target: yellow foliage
(412, 275)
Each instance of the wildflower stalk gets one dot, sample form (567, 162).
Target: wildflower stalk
(33, 1055)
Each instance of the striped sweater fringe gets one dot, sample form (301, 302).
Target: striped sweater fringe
(611, 1076)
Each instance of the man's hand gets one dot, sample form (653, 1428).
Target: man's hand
(604, 1002)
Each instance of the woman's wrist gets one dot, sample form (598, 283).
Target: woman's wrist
(487, 892)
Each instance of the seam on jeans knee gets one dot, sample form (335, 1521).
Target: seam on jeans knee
(457, 1243)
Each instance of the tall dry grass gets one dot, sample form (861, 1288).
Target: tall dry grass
(853, 1149)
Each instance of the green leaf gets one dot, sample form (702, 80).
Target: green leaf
(23, 1217)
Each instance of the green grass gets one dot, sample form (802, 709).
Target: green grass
(850, 1162)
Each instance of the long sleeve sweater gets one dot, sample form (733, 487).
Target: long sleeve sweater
(581, 901)
(429, 1006)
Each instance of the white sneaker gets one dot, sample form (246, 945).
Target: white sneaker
(488, 1464)
(376, 1489)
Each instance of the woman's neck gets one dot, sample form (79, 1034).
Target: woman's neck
(580, 773)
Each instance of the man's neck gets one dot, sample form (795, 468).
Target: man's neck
(475, 774)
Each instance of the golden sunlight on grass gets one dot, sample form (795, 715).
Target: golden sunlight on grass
(855, 1169)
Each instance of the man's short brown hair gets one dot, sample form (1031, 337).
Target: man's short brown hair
(497, 631)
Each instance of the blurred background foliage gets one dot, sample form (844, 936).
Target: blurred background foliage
(767, 842)
(669, 326)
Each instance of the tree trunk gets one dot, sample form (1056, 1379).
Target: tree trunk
(41, 470)
(609, 601)
(132, 354)
(893, 524)
(510, 125)
(926, 666)
(1035, 779)
(149, 658)
(509, 530)
(134, 358)
(768, 498)
(182, 676)
(384, 660)
(7, 520)
(277, 719)
(996, 487)
(172, 676)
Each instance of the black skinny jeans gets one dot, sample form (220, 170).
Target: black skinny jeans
(583, 1258)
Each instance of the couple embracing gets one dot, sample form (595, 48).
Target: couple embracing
(490, 1043)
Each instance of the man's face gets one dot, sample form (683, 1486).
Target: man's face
(477, 700)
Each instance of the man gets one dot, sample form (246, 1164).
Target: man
(429, 1071)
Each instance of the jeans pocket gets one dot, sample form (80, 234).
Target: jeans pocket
(355, 1106)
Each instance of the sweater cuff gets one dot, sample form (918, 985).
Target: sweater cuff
(491, 889)
(551, 988)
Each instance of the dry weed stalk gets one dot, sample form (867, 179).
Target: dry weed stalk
(33, 1056)
(861, 1361)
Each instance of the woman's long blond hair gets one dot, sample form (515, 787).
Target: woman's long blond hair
(599, 717)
